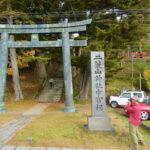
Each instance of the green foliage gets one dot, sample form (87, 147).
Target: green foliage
(112, 67)
(126, 4)
(80, 61)
(78, 101)
(40, 59)
(145, 47)
(80, 38)
(123, 78)
(107, 34)
(147, 78)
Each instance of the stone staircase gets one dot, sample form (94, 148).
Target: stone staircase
(53, 94)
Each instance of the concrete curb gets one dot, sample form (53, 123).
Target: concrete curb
(11, 147)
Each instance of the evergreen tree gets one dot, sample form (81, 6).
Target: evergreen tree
(6, 10)
(107, 33)
(113, 35)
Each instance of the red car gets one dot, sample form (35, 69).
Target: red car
(145, 109)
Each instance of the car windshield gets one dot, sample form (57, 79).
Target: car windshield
(125, 95)
(139, 95)
(146, 102)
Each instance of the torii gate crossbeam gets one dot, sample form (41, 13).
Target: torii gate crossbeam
(34, 30)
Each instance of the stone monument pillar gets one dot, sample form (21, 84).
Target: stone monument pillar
(98, 121)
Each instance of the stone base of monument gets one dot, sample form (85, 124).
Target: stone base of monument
(99, 124)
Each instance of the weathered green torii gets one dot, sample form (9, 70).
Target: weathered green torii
(34, 30)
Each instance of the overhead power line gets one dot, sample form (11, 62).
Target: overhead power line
(97, 15)
(102, 12)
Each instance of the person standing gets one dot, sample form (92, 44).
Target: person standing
(135, 110)
(51, 81)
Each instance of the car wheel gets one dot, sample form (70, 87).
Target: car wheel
(144, 115)
(114, 104)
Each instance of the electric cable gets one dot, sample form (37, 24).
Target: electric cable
(96, 15)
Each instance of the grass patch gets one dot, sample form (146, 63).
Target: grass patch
(78, 101)
(4, 118)
(58, 129)
(147, 123)
(22, 105)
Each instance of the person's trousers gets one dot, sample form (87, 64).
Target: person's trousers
(136, 136)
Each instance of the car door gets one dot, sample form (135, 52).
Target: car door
(146, 105)
(124, 98)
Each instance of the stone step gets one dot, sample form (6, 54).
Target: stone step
(52, 98)
(53, 94)
(51, 90)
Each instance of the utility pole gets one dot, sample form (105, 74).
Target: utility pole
(130, 54)
(128, 51)
(132, 70)
(140, 82)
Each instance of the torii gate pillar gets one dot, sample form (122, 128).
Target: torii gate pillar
(3, 68)
(69, 104)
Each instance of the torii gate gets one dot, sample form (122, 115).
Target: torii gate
(34, 30)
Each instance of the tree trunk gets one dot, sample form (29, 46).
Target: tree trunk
(84, 82)
(52, 69)
(140, 49)
(15, 73)
(41, 69)
(74, 71)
